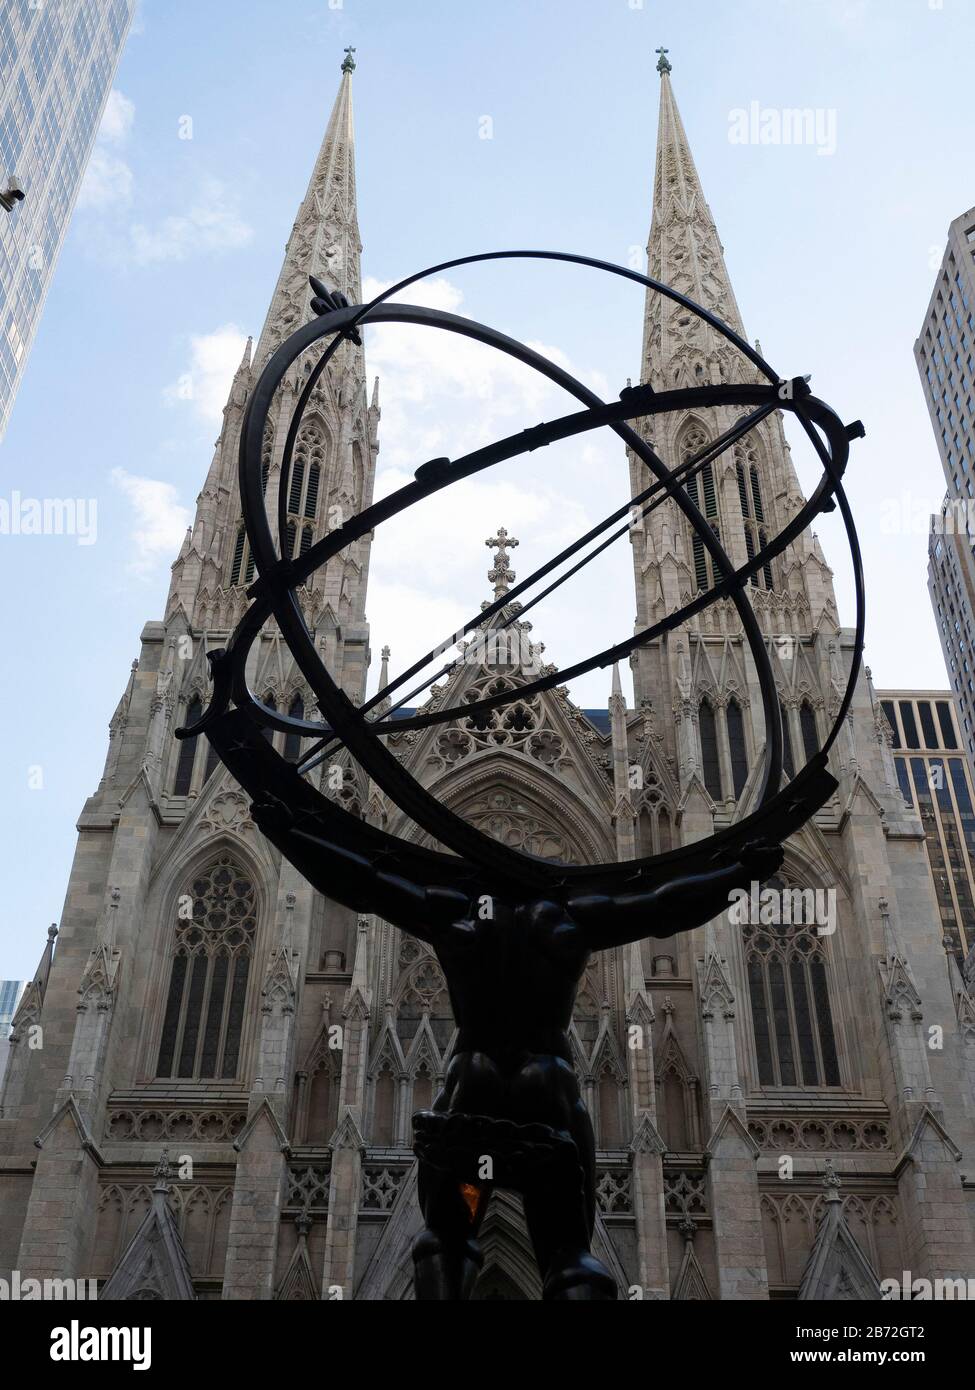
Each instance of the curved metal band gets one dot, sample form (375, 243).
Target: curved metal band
(275, 590)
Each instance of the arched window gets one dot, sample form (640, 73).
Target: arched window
(788, 986)
(187, 751)
(423, 1089)
(237, 564)
(297, 484)
(810, 734)
(292, 742)
(788, 759)
(702, 492)
(710, 763)
(752, 509)
(384, 1110)
(610, 1129)
(242, 562)
(271, 703)
(208, 981)
(311, 492)
(323, 1099)
(736, 742)
(304, 491)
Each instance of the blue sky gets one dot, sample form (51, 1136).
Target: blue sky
(171, 258)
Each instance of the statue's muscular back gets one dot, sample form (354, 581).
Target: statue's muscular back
(512, 977)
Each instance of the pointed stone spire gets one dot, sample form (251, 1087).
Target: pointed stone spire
(837, 1270)
(325, 239)
(684, 250)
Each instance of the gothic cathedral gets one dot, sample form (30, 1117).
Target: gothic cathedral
(221, 1105)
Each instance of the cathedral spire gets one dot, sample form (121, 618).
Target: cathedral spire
(684, 249)
(325, 238)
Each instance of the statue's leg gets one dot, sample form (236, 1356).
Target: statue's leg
(446, 1256)
(560, 1202)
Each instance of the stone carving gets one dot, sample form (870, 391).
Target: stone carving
(228, 810)
(614, 1192)
(820, 1135)
(380, 1186)
(182, 1125)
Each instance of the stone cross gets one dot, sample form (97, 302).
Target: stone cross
(349, 63)
(501, 576)
(664, 63)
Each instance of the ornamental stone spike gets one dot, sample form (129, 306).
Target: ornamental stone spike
(501, 575)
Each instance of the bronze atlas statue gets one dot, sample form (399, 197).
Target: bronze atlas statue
(512, 932)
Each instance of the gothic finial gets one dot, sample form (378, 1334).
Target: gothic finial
(831, 1181)
(348, 64)
(501, 575)
(663, 65)
(163, 1173)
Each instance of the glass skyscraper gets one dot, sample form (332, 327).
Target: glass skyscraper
(936, 779)
(945, 356)
(10, 992)
(57, 62)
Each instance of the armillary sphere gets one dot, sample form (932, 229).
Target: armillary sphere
(236, 719)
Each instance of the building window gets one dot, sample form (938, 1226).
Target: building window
(710, 762)
(242, 563)
(187, 751)
(927, 724)
(292, 742)
(788, 759)
(792, 1016)
(736, 743)
(911, 736)
(702, 492)
(752, 510)
(305, 489)
(204, 1017)
(810, 734)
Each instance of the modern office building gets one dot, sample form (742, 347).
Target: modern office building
(10, 992)
(937, 783)
(57, 62)
(945, 355)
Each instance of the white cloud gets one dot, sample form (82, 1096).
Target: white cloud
(211, 224)
(117, 119)
(160, 521)
(214, 358)
(444, 395)
(108, 180)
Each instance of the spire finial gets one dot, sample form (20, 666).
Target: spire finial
(501, 575)
(348, 63)
(663, 65)
(831, 1182)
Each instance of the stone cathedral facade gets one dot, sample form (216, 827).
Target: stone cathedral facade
(212, 1075)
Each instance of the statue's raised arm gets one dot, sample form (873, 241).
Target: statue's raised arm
(678, 906)
(355, 880)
